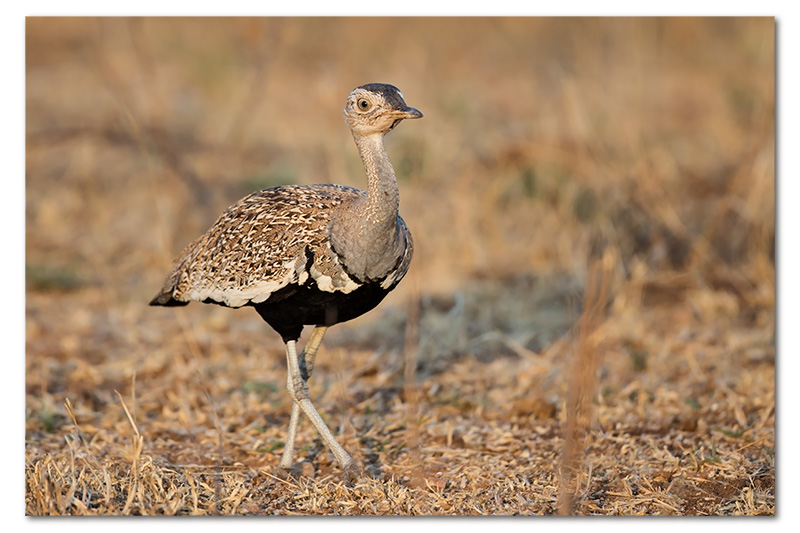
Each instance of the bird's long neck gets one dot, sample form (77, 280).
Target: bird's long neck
(366, 235)
(383, 197)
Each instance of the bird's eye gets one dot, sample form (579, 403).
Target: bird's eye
(363, 104)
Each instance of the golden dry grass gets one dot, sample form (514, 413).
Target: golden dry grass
(587, 326)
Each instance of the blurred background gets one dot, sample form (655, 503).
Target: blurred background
(645, 142)
(543, 140)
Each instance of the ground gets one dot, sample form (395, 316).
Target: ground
(587, 327)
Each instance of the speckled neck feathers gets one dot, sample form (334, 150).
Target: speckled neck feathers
(366, 235)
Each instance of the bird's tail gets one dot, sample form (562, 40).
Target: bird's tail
(165, 298)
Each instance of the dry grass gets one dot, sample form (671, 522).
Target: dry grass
(645, 146)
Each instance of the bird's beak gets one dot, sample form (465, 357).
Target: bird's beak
(409, 112)
(404, 112)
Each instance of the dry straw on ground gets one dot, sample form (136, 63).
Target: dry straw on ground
(506, 375)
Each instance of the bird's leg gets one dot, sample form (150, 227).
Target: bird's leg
(310, 351)
(287, 458)
(306, 364)
(298, 390)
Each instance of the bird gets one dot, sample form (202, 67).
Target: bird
(308, 255)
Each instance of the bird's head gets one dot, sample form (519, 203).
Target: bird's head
(376, 108)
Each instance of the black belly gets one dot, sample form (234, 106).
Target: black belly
(291, 308)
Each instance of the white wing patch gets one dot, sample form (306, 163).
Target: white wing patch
(385, 284)
(328, 284)
(255, 293)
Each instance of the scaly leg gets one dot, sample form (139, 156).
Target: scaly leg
(310, 351)
(298, 390)
(306, 363)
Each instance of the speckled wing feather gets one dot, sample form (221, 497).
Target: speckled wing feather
(264, 242)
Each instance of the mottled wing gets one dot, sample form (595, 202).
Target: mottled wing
(264, 242)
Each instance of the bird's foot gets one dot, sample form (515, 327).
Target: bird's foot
(296, 471)
(351, 474)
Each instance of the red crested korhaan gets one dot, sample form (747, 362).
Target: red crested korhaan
(313, 255)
